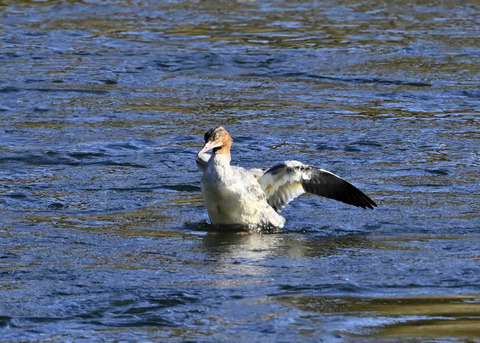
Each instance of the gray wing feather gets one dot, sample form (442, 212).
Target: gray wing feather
(202, 162)
(286, 181)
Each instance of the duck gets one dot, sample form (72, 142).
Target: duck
(252, 199)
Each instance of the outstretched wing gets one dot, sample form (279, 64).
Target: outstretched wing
(286, 181)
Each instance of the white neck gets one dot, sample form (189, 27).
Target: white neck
(223, 159)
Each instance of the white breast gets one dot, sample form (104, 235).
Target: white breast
(233, 196)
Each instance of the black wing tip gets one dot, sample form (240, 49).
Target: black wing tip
(364, 202)
(360, 199)
(350, 195)
(370, 205)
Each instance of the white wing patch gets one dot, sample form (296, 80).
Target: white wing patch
(283, 183)
(285, 194)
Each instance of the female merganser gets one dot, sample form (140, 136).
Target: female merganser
(237, 197)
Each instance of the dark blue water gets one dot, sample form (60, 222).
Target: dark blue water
(103, 107)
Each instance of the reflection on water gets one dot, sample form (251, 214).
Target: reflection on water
(103, 106)
(393, 318)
